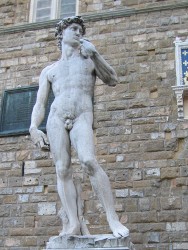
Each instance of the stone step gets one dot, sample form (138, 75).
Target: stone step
(89, 242)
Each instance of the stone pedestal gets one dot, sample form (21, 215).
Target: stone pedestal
(95, 242)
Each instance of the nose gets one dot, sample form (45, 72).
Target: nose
(77, 32)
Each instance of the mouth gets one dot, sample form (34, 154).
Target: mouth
(77, 38)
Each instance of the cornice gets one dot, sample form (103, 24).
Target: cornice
(93, 17)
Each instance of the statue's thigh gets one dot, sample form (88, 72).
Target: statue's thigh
(58, 138)
(82, 139)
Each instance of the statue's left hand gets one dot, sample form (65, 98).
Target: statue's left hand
(87, 49)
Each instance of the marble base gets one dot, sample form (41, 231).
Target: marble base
(95, 242)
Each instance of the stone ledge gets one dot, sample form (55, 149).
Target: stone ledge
(96, 242)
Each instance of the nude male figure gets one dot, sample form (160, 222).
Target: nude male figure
(70, 120)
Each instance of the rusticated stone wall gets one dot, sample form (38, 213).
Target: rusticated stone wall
(139, 141)
(14, 12)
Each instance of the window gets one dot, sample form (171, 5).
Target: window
(43, 10)
(181, 87)
(12, 120)
(67, 8)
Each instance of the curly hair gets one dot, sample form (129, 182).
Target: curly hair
(64, 23)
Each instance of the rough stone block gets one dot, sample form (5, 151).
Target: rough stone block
(180, 246)
(171, 203)
(157, 135)
(131, 205)
(157, 146)
(153, 237)
(143, 217)
(30, 181)
(12, 242)
(29, 209)
(49, 179)
(136, 194)
(169, 173)
(21, 231)
(29, 221)
(122, 193)
(137, 175)
(39, 189)
(176, 226)
(38, 198)
(47, 208)
(44, 163)
(30, 171)
(5, 166)
(23, 198)
(9, 199)
(30, 164)
(4, 210)
(120, 158)
(6, 191)
(153, 172)
(184, 171)
(119, 207)
(30, 241)
(22, 155)
(144, 204)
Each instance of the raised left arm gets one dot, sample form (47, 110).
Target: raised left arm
(103, 70)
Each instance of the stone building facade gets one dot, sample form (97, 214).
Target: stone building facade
(140, 142)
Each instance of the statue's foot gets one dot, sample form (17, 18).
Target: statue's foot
(74, 230)
(118, 229)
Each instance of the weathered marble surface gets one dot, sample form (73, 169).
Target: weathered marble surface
(70, 122)
(105, 241)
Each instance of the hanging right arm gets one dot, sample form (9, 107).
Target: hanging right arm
(37, 136)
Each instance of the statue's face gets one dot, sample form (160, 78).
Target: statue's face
(72, 35)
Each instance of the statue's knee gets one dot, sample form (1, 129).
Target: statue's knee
(89, 165)
(62, 170)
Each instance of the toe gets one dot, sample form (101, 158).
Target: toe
(126, 233)
(116, 234)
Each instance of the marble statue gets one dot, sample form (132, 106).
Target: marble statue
(70, 120)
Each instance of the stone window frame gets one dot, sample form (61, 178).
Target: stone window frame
(55, 14)
(180, 89)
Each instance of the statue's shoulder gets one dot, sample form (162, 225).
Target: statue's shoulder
(48, 68)
(45, 73)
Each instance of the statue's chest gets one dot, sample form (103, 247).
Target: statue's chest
(72, 68)
(71, 74)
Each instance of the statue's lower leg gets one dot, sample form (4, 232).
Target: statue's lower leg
(101, 185)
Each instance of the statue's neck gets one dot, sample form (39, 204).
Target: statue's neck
(69, 51)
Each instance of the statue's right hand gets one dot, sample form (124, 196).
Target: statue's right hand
(87, 48)
(39, 138)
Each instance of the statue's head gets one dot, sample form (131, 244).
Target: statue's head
(66, 22)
